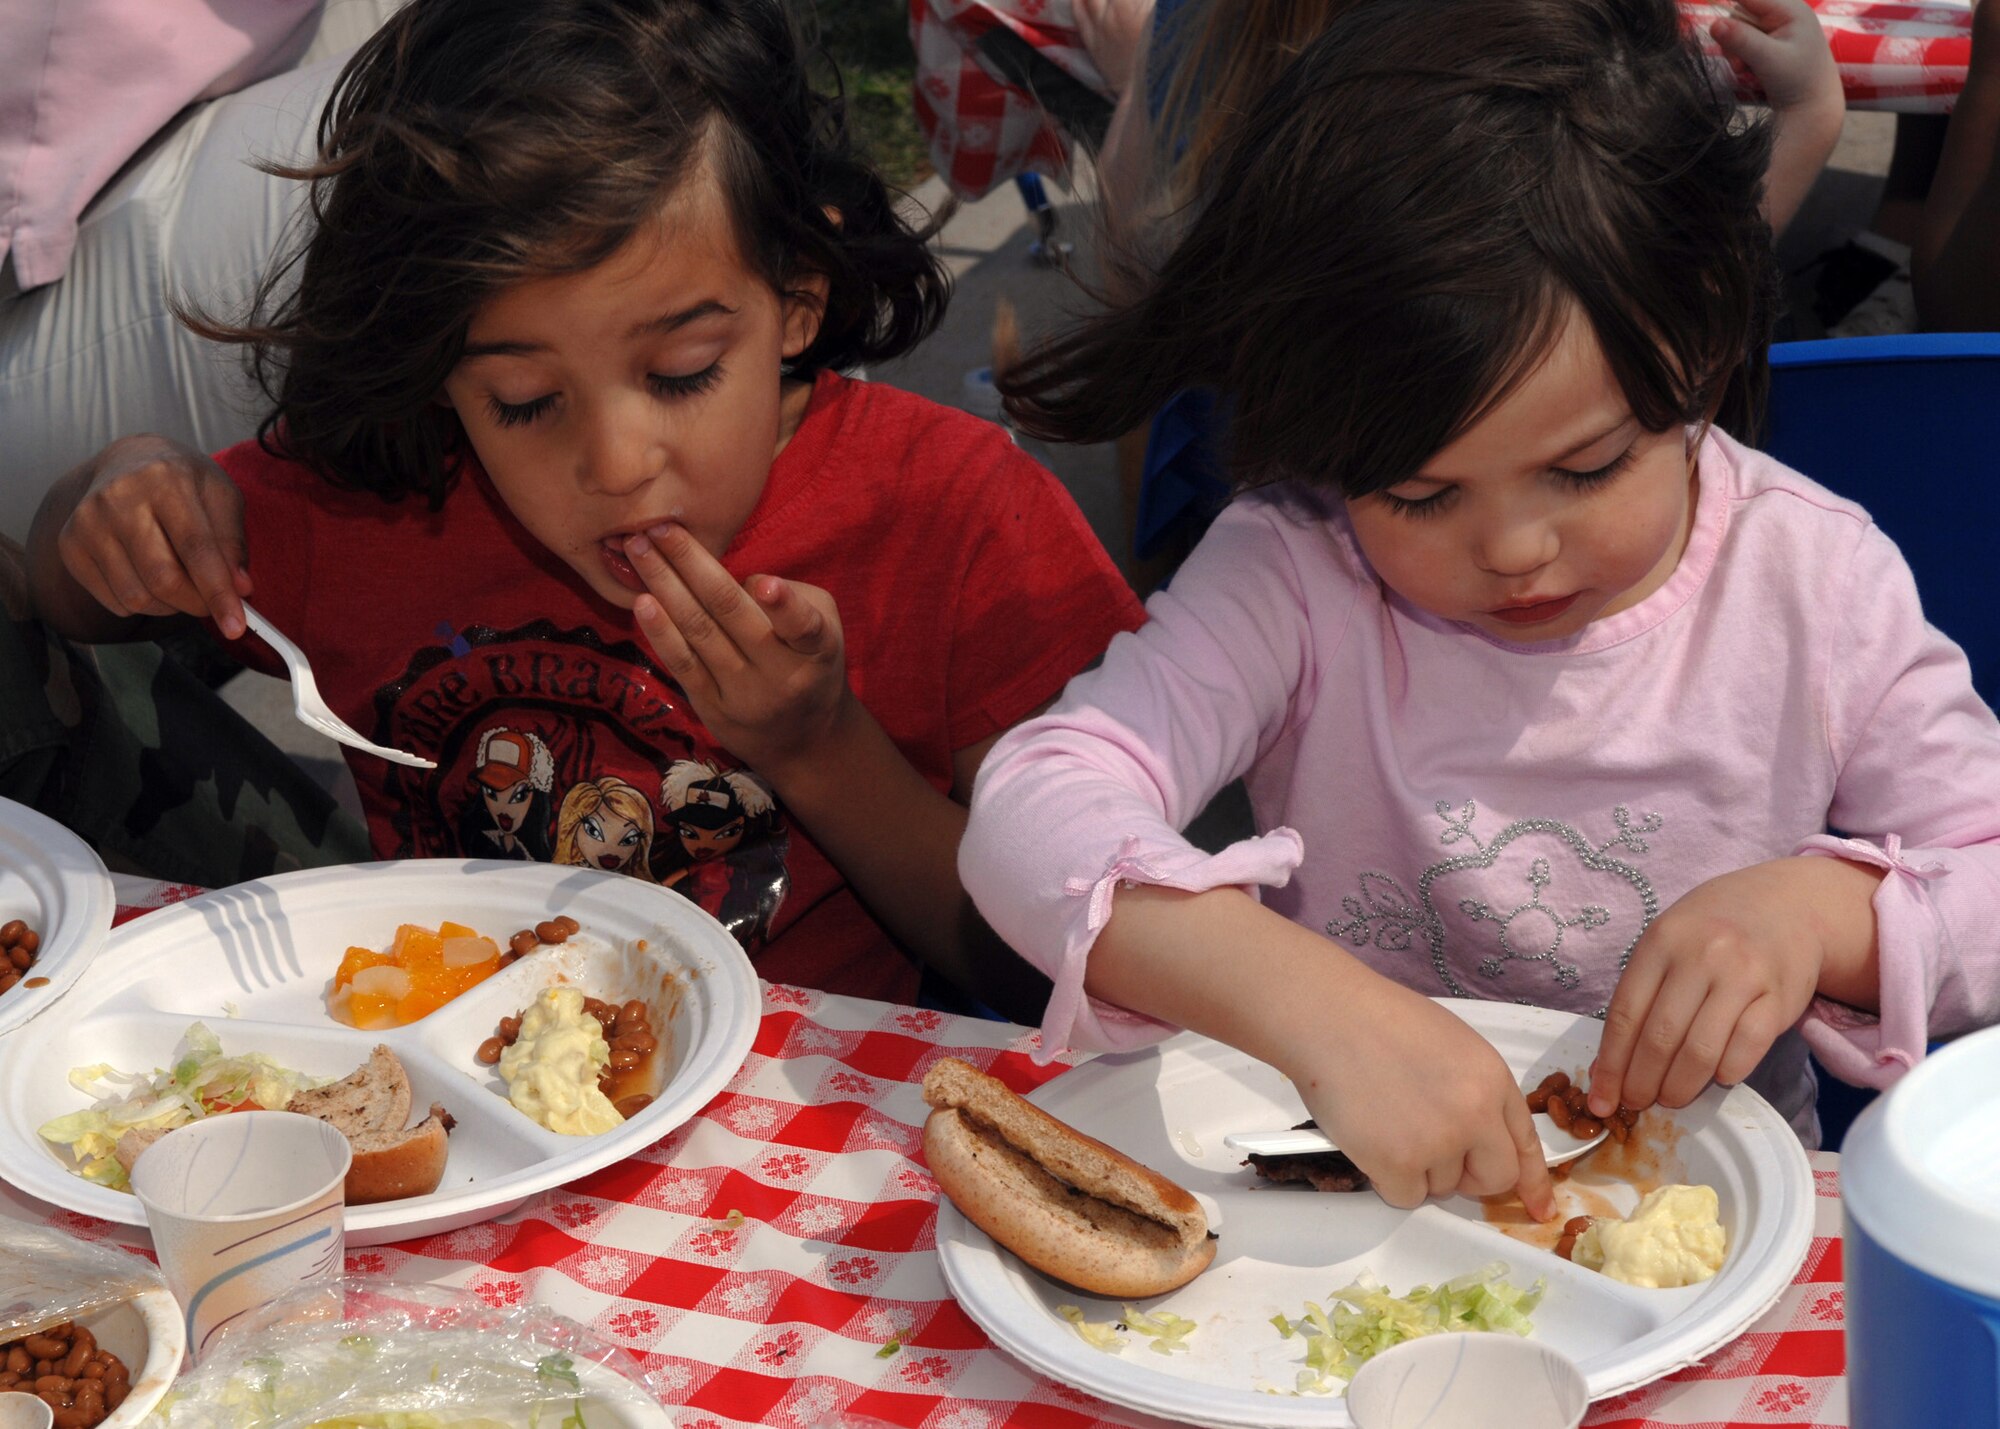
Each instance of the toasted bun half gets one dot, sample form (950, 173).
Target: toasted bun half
(1068, 1205)
(389, 1165)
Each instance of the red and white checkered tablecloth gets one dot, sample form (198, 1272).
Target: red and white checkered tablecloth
(780, 1321)
(1892, 54)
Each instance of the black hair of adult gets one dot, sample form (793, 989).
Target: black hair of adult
(1406, 218)
(472, 143)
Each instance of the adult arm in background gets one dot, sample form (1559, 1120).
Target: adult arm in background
(1956, 263)
(1074, 854)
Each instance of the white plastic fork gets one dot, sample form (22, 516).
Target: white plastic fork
(312, 711)
(1558, 1146)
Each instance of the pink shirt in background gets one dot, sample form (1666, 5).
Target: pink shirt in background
(1480, 819)
(85, 83)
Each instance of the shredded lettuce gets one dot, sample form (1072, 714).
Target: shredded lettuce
(1163, 1330)
(202, 1080)
(1366, 1320)
(1098, 1334)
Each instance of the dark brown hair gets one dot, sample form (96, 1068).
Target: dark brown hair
(1392, 237)
(472, 143)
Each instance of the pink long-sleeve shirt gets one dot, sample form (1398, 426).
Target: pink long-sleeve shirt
(1475, 818)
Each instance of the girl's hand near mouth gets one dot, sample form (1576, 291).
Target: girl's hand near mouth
(762, 662)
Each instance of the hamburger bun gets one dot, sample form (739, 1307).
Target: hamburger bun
(368, 1106)
(389, 1165)
(1068, 1205)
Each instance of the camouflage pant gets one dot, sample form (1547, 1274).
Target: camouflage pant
(124, 746)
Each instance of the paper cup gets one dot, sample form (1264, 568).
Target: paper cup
(25, 1411)
(1460, 1381)
(243, 1208)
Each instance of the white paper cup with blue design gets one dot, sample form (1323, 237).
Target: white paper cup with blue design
(243, 1208)
(1468, 1381)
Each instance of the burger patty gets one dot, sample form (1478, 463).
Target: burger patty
(1322, 1170)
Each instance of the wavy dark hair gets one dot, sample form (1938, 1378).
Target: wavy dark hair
(472, 143)
(1392, 238)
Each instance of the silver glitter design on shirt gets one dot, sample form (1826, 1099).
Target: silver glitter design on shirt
(1529, 932)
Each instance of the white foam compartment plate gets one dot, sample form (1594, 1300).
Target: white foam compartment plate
(1280, 1246)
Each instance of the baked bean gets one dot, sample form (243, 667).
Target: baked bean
(1559, 1112)
(1566, 1246)
(30, 943)
(549, 932)
(510, 1030)
(522, 943)
(1576, 1225)
(625, 1061)
(599, 1009)
(21, 958)
(568, 924)
(9, 978)
(629, 1107)
(1583, 1128)
(67, 1370)
(490, 1050)
(10, 934)
(642, 1043)
(634, 1010)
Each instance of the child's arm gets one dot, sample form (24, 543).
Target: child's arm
(1781, 44)
(1074, 854)
(763, 664)
(1415, 1098)
(1956, 265)
(145, 529)
(1880, 941)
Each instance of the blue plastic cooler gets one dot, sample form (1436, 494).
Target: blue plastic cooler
(1920, 1192)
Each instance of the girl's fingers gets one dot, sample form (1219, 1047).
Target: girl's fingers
(128, 591)
(794, 619)
(1668, 1021)
(1757, 1027)
(677, 657)
(698, 626)
(215, 557)
(1537, 1189)
(1405, 1190)
(724, 601)
(1624, 1019)
(1701, 1050)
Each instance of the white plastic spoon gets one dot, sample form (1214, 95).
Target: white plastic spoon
(1558, 1146)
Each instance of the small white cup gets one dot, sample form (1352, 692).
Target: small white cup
(1468, 1381)
(243, 1208)
(25, 1411)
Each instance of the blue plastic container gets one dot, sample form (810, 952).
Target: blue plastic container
(1920, 1194)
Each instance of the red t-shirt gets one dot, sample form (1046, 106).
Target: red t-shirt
(969, 587)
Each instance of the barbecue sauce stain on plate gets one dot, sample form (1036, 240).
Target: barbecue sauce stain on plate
(1645, 1161)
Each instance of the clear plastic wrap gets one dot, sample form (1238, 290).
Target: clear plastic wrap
(412, 1357)
(47, 1277)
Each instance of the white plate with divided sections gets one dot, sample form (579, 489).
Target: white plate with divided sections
(55, 882)
(254, 962)
(1281, 1246)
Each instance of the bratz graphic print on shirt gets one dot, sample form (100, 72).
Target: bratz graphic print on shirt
(556, 746)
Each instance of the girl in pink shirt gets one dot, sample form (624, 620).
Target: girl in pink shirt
(1543, 688)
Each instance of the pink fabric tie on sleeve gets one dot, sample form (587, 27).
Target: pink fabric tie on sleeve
(1074, 1018)
(1876, 1049)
